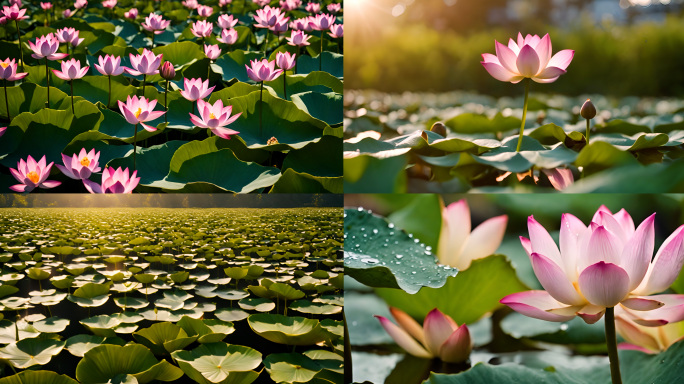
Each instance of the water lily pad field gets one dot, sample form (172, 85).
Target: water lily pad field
(119, 295)
(455, 289)
(465, 141)
(213, 96)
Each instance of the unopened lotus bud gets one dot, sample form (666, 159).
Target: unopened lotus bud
(588, 110)
(167, 71)
(439, 128)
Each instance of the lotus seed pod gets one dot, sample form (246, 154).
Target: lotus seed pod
(588, 110)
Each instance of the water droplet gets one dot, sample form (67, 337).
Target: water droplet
(397, 262)
(399, 256)
(564, 327)
(413, 272)
(370, 261)
(428, 248)
(375, 231)
(363, 229)
(416, 241)
(390, 225)
(360, 209)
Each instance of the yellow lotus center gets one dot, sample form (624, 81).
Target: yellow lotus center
(212, 116)
(85, 162)
(33, 177)
(4, 65)
(138, 112)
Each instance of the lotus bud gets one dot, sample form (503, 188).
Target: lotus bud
(167, 71)
(439, 129)
(588, 110)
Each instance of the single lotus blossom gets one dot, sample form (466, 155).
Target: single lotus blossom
(14, 12)
(114, 181)
(313, 7)
(298, 39)
(109, 65)
(46, 47)
(138, 110)
(267, 16)
(71, 69)
(80, 166)
(334, 7)
(646, 339)
(227, 21)
(458, 245)
(290, 5)
(67, 13)
(439, 336)
(223, 3)
(68, 36)
(304, 24)
(196, 89)
(228, 36)
(336, 31)
(190, 4)
(155, 23)
(8, 71)
(212, 51)
(109, 4)
(204, 10)
(285, 60)
(215, 117)
(146, 63)
(79, 4)
(322, 21)
(46, 5)
(560, 178)
(31, 174)
(202, 28)
(131, 14)
(262, 70)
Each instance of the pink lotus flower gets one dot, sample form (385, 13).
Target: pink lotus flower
(196, 89)
(204, 10)
(32, 174)
(223, 3)
(322, 21)
(190, 4)
(14, 12)
(263, 70)
(458, 246)
(228, 36)
(131, 14)
(114, 181)
(439, 336)
(280, 25)
(560, 178)
(530, 57)
(71, 69)
(227, 21)
(145, 63)
(46, 5)
(313, 7)
(8, 70)
(82, 166)
(646, 339)
(68, 36)
(78, 4)
(336, 31)
(67, 13)
(139, 110)
(334, 7)
(298, 39)
(290, 5)
(600, 266)
(304, 24)
(267, 17)
(212, 51)
(155, 23)
(109, 4)
(285, 60)
(18, 3)
(261, 3)
(215, 117)
(167, 71)
(109, 65)
(202, 28)
(46, 47)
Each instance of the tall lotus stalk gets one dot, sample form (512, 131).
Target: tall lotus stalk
(46, 47)
(71, 69)
(261, 71)
(528, 58)
(138, 111)
(109, 66)
(588, 111)
(285, 61)
(601, 266)
(8, 72)
(322, 22)
(298, 39)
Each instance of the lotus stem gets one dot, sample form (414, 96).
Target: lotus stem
(611, 341)
(16, 326)
(109, 98)
(135, 147)
(166, 104)
(285, 84)
(347, 352)
(261, 107)
(144, 81)
(320, 56)
(9, 118)
(47, 78)
(522, 126)
(21, 51)
(153, 39)
(265, 43)
(209, 70)
(71, 83)
(588, 120)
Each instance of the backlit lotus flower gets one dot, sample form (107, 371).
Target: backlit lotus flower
(560, 178)
(290, 5)
(114, 181)
(322, 21)
(204, 10)
(336, 31)
(439, 336)
(227, 21)
(530, 58)
(285, 60)
(267, 16)
(68, 36)
(228, 36)
(109, 65)
(138, 110)
(8, 70)
(304, 24)
(600, 266)
(215, 117)
(46, 5)
(334, 7)
(32, 174)
(202, 28)
(82, 166)
(262, 70)
(79, 4)
(46, 47)
(190, 4)
(196, 89)
(131, 14)
(14, 12)
(313, 7)
(647, 339)
(71, 69)
(67, 13)
(212, 51)
(109, 4)
(298, 39)
(145, 63)
(458, 246)
(155, 23)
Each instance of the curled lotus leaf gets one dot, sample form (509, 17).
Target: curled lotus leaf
(38, 377)
(164, 338)
(29, 352)
(219, 363)
(288, 330)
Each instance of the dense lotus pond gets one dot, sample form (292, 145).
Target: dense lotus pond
(172, 295)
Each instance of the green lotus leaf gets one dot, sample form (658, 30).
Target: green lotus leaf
(321, 82)
(180, 53)
(231, 314)
(8, 331)
(164, 338)
(219, 363)
(233, 64)
(105, 362)
(232, 294)
(288, 330)
(291, 367)
(326, 359)
(306, 306)
(207, 331)
(6, 290)
(92, 290)
(131, 302)
(257, 304)
(51, 325)
(29, 352)
(367, 173)
(80, 344)
(179, 277)
(332, 63)
(101, 325)
(285, 292)
(38, 377)
(37, 273)
(323, 106)
(236, 272)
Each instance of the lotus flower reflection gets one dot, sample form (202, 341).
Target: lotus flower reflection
(439, 337)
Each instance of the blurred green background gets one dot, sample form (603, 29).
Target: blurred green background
(622, 47)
